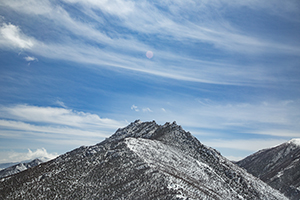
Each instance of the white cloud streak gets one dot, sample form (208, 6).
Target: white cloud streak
(11, 36)
(135, 108)
(58, 116)
(144, 17)
(242, 145)
(114, 7)
(51, 123)
(60, 103)
(147, 110)
(210, 118)
(245, 145)
(30, 58)
(39, 130)
(246, 114)
(276, 7)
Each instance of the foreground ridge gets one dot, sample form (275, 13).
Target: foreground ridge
(141, 161)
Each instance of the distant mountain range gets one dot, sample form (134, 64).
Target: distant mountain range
(278, 166)
(141, 161)
(6, 165)
(18, 167)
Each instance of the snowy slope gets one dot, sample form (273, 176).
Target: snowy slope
(19, 167)
(141, 161)
(278, 166)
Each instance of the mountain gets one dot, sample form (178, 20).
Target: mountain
(6, 165)
(141, 161)
(19, 167)
(278, 166)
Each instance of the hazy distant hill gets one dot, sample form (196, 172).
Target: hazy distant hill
(19, 167)
(141, 161)
(6, 165)
(278, 166)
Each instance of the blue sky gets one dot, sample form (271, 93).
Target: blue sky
(73, 71)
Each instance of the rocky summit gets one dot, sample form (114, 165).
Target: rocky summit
(141, 161)
(278, 166)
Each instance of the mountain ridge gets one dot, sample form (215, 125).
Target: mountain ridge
(143, 160)
(18, 167)
(278, 166)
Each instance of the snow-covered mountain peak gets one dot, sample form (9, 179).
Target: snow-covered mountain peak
(143, 160)
(295, 141)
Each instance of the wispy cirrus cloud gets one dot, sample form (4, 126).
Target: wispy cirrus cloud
(12, 36)
(60, 103)
(135, 108)
(85, 39)
(246, 145)
(22, 128)
(54, 115)
(236, 129)
(114, 7)
(206, 48)
(147, 17)
(145, 110)
(52, 123)
(282, 8)
(273, 119)
(261, 116)
(94, 44)
(228, 147)
(12, 156)
(30, 58)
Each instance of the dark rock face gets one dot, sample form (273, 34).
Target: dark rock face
(141, 161)
(19, 167)
(278, 166)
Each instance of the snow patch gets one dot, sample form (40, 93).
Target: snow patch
(295, 141)
(279, 174)
(173, 162)
(21, 167)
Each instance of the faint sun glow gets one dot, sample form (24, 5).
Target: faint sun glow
(149, 54)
